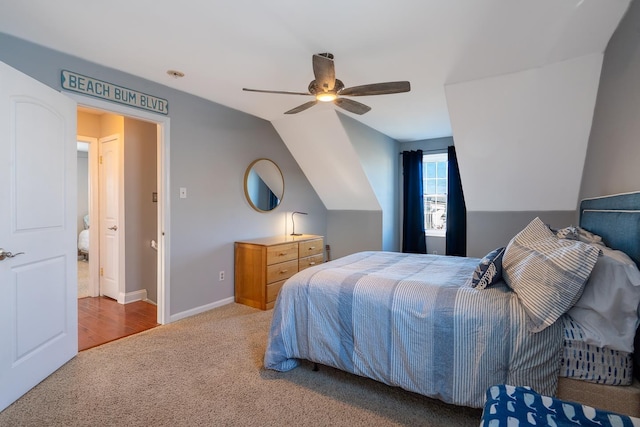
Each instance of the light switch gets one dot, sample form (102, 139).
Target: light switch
(183, 192)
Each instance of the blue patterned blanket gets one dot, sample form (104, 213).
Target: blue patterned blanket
(414, 322)
(521, 406)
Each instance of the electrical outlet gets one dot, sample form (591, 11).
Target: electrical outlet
(221, 277)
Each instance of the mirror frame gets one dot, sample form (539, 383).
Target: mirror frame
(246, 190)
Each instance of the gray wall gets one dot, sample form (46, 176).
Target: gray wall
(378, 157)
(141, 213)
(611, 165)
(211, 146)
(353, 231)
(490, 230)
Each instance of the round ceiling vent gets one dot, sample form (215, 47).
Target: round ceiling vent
(175, 74)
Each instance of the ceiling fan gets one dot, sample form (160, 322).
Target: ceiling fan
(326, 88)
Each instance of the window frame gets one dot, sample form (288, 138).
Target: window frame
(434, 158)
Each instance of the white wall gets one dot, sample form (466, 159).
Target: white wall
(521, 138)
(352, 168)
(521, 141)
(328, 159)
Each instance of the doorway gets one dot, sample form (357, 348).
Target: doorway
(155, 241)
(117, 223)
(82, 216)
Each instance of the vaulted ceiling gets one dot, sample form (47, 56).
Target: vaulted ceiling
(506, 78)
(223, 46)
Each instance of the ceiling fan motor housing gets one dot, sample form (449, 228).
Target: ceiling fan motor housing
(313, 87)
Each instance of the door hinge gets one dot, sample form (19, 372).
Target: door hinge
(100, 159)
(101, 271)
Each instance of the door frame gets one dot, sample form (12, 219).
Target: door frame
(94, 289)
(163, 183)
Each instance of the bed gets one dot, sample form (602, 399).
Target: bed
(451, 327)
(83, 239)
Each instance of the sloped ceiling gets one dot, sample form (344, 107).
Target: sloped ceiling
(223, 46)
(522, 138)
(342, 184)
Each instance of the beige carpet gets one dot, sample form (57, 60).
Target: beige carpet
(83, 278)
(207, 370)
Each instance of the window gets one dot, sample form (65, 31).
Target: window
(434, 182)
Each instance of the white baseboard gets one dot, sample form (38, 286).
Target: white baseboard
(126, 298)
(201, 309)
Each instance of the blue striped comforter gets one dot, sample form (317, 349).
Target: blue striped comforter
(414, 322)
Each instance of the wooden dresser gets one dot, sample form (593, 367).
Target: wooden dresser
(263, 265)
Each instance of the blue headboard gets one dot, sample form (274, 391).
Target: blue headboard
(615, 218)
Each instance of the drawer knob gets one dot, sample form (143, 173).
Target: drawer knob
(312, 248)
(283, 271)
(312, 263)
(281, 254)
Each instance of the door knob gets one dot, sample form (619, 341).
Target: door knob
(6, 254)
(114, 228)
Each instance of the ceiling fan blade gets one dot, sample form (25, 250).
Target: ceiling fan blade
(324, 71)
(376, 89)
(353, 106)
(302, 107)
(283, 92)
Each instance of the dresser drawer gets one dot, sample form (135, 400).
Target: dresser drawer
(311, 247)
(280, 253)
(273, 289)
(263, 265)
(281, 271)
(310, 261)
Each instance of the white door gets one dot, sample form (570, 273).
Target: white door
(111, 225)
(38, 303)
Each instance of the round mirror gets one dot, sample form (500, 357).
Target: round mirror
(263, 185)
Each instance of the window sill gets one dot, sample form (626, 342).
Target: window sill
(436, 233)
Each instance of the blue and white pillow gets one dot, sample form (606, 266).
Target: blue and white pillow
(547, 274)
(489, 271)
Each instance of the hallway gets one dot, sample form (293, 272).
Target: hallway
(102, 319)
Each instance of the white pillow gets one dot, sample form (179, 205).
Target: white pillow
(547, 273)
(607, 311)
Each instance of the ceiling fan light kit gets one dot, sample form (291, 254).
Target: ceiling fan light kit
(326, 96)
(326, 88)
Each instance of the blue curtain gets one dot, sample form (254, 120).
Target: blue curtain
(413, 238)
(456, 209)
(273, 200)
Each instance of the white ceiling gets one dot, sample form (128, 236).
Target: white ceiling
(223, 46)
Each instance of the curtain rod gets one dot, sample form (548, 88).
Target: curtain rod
(439, 150)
